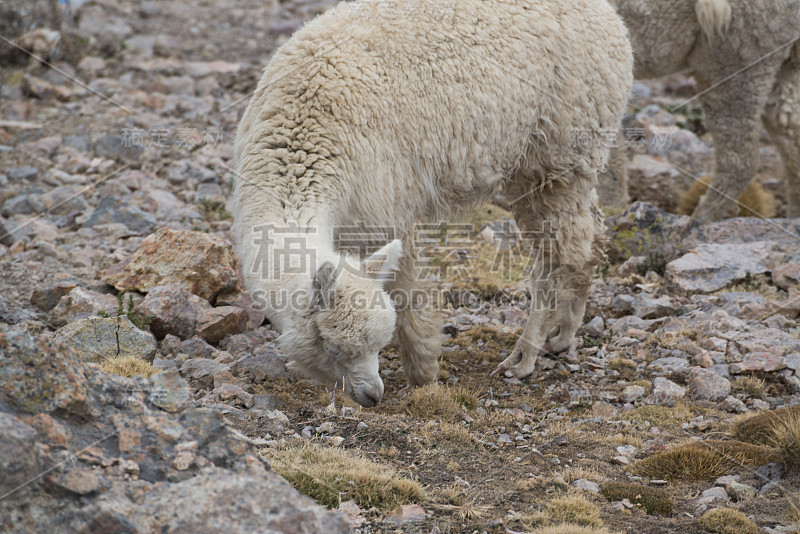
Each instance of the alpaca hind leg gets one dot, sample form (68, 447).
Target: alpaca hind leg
(782, 121)
(733, 114)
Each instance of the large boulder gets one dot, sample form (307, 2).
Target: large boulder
(200, 263)
(145, 458)
(100, 338)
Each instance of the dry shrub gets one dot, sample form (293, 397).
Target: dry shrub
(455, 437)
(571, 474)
(568, 528)
(750, 385)
(760, 429)
(574, 509)
(662, 416)
(704, 460)
(785, 432)
(434, 401)
(128, 366)
(727, 521)
(626, 368)
(655, 501)
(332, 475)
(754, 202)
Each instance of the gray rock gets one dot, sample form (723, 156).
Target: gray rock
(79, 143)
(706, 384)
(203, 264)
(631, 393)
(648, 307)
(740, 492)
(770, 340)
(665, 392)
(188, 470)
(758, 362)
(202, 370)
(215, 323)
(587, 485)
(644, 230)
(40, 376)
(99, 338)
(117, 210)
(13, 315)
(171, 311)
(81, 303)
(792, 361)
(716, 493)
(631, 266)
(726, 479)
(732, 404)
(18, 459)
(217, 500)
(170, 392)
(22, 173)
(266, 365)
(669, 366)
(711, 267)
(623, 303)
(595, 327)
(118, 147)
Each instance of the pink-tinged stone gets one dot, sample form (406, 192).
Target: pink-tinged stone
(197, 262)
(758, 361)
(406, 513)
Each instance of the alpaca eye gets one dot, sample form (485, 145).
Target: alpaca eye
(336, 353)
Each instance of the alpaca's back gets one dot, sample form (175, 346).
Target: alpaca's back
(432, 103)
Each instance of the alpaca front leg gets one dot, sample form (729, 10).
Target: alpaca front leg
(419, 323)
(419, 335)
(574, 283)
(522, 360)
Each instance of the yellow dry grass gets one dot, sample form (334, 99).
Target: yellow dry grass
(727, 521)
(754, 202)
(332, 475)
(128, 366)
(704, 460)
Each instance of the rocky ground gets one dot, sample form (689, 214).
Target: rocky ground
(115, 153)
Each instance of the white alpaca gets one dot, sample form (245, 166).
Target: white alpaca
(393, 112)
(745, 57)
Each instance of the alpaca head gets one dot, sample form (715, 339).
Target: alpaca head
(351, 319)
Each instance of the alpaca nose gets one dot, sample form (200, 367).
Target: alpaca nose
(371, 395)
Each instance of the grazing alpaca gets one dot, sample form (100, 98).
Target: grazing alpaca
(392, 112)
(745, 57)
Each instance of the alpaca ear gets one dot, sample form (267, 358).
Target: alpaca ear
(323, 287)
(385, 262)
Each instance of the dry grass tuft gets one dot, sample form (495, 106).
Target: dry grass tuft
(655, 501)
(626, 368)
(435, 401)
(574, 509)
(467, 396)
(571, 474)
(704, 460)
(750, 385)
(754, 202)
(454, 436)
(760, 429)
(128, 366)
(568, 528)
(786, 437)
(662, 416)
(727, 521)
(332, 475)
